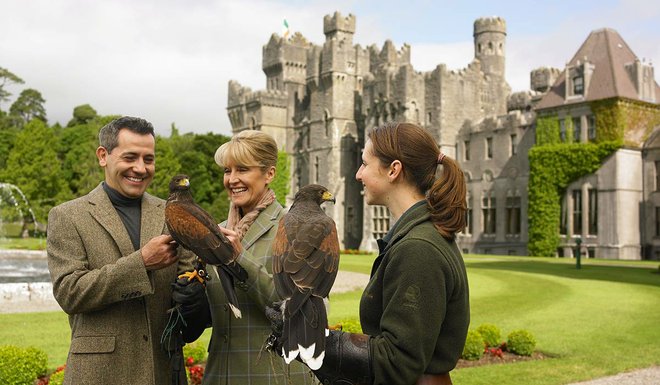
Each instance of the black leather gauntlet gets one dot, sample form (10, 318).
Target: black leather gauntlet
(190, 296)
(347, 360)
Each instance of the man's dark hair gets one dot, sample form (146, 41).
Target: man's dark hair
(109, 134)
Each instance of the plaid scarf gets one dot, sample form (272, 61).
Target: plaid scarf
(241, 224)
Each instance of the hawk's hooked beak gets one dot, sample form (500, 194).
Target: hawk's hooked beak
(328, 197)
(184, 182)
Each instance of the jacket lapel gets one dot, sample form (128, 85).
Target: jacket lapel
(152, 223)
(106, 215)
(264, 222)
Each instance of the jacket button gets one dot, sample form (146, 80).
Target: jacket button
(144, 337)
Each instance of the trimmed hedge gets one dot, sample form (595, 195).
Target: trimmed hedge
(521, 342)
(491, 335)
(474, 346)
(21, 366)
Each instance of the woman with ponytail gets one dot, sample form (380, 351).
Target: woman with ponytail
(415, 310)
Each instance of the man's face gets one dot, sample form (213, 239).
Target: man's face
(130, 167)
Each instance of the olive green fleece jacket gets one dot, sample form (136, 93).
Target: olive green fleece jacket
(416, 305)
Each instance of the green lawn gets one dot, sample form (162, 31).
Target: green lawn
(600, 320)
(23, 243)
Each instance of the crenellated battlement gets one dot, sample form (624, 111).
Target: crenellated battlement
(489, 24)
(337, 23)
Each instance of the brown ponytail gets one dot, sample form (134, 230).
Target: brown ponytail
(417, 150)
(447, 200)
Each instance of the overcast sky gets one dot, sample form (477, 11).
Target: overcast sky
(170, 60)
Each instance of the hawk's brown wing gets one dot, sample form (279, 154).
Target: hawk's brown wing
(193, 228)
(306, 252)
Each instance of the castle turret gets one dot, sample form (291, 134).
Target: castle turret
(339, 28)
(489, 44)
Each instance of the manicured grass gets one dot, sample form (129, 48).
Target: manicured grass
(600, 320)
(23, 243)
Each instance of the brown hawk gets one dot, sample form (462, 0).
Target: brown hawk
(197, 231)
(305, 263)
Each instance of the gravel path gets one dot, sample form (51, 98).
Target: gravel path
(38, 296)
(648, 376)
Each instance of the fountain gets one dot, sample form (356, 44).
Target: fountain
(16, 215)
(24, 278)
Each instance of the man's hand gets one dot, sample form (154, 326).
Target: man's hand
(159, 252)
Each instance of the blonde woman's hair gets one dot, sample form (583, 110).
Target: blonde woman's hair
(248, 148)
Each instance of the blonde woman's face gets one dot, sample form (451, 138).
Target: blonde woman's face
(372, 176)
(246, 184)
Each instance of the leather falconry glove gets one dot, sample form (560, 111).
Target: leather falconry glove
(347, 358)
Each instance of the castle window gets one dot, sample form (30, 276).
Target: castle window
(479, 47)
(577, 212)
(429, 118)
(513, 215)
(657, 175)
(657, 221)
(489, 148)
(591, 127)
(466, 150)
(562, 130)
(578, 85)
(489, 213)
(381, 221)
(563, 222)
(468, 216)
(316, 169)
(593, 211)
(577, 129)
(326, 122)
(514, 144)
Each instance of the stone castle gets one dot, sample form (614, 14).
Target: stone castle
(320, 100)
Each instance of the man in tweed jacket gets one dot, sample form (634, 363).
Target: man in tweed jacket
(112, 263)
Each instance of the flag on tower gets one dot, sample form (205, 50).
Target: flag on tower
(285, 30)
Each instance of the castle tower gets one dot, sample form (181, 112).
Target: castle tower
(339, 28)
(489, 44)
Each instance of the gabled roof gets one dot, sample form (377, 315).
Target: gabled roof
(609, 53)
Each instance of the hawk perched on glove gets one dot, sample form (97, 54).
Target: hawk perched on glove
(197, 231)
(305, 263)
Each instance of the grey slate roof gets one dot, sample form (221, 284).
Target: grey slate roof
(609, 53)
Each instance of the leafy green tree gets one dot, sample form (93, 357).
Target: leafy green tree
(282, 176)
(34, 167)
(196, 157)
(29, 105)
(77, 152)
(82, 114)
(167, 165)
(7, 138)
(7, 78)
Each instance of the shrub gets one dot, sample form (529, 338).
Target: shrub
(521, 342)
(351, 325)
(474, 346)
(194, 353)
(491, 334)
(21, 365)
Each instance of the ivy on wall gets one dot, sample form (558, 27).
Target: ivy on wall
(554, 163)
(552, 168)
(547, 130)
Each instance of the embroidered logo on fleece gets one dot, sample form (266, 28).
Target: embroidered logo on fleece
(411, 297)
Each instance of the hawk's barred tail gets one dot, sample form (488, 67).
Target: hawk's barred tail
(227, 281)
(304, 333)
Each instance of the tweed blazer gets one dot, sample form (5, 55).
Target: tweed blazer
(116, 307)
(234, 351)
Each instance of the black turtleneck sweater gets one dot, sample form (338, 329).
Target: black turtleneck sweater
(130, 212)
